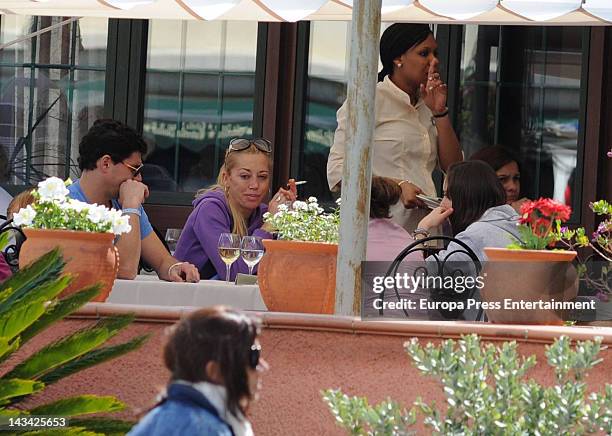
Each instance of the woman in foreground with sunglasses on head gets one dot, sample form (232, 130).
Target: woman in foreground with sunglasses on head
(234, 205)
(214, 359)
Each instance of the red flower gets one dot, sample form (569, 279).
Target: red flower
(553, 210)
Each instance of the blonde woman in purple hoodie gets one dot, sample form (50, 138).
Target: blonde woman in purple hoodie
(234, 205)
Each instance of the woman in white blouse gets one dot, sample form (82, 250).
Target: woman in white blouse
(413, 132)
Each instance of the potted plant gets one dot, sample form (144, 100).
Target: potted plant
(529, 281)
(85, 233)
(601, 244)
(298, 270)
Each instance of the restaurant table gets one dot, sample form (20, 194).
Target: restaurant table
(149, 290)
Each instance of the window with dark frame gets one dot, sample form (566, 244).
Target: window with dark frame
(52, 91)
(521, 87)
(199, 94)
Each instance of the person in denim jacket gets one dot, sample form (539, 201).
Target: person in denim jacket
(214, 359)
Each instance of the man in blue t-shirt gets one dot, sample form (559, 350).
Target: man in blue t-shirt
(110, 158)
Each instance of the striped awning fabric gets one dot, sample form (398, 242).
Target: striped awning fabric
(554, 12)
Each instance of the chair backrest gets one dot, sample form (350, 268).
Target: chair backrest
(11, 251)
(442, 267)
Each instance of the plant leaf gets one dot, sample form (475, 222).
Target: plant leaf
(80, 405)
(4, 239)
(92, 358)
(47, 291)
(47, 267)
(103, 425)
(60, 310)
(19, 318)
(11, 412)
(59, 352)
(17, 387)
(7, 348)
(69, 431)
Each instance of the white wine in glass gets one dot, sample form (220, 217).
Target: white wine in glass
(229, 250)
(252, 250)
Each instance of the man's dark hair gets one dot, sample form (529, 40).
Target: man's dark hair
(110, 137)
(473, 188)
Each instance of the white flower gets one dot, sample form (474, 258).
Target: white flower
(282, 207)
(96, 213)
(52, 189)
(312, 200)
(300, 205)
(339, 201)
(266, 215)
(24, 217)
(121, 224)
(76, 205)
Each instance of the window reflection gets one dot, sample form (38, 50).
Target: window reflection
(199, 95)
(520, 87)
(52, 91)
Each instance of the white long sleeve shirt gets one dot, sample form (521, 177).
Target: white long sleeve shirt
(405, 140)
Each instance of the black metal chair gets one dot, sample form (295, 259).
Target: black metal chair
(443, 267)
(11, 251)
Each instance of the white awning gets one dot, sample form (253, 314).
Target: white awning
(540, 12)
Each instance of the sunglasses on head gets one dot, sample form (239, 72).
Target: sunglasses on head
(239, 144)
(135, 170)
(254, 355)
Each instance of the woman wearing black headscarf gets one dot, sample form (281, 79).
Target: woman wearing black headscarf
(413, 132)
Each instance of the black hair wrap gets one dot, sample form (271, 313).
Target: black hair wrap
(396, 39)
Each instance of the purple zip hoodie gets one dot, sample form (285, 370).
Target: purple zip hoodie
(210, 217)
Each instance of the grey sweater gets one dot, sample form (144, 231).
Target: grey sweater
(497, 227)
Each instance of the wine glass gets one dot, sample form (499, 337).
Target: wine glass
(172, 237)
(251, 250)
(229, 250)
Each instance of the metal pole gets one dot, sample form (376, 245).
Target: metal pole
(357, 172)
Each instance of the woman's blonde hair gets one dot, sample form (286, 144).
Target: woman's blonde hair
(240, 224)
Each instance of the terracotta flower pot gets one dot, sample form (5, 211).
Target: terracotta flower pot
(297, 276)
(529, 276)
(91, 257)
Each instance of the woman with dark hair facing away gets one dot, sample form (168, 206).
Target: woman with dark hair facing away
(475, 203)
(386, 238)
(213, 356)
(413, 131)
(234, 205)
(508, 171)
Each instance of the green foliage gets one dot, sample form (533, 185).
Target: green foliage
(29, 303)
(356, 415)
(92, 358)
(80, 405)
(487, 393)
(103, 426)
(53, 209)
(305, 221)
